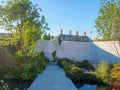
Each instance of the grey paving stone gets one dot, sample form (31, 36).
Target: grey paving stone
(53, 78)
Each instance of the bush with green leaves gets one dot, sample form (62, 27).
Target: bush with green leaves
(7, 59)
(63, 62)
(75, 74)
(115, 76)
(3, 85)
(13, 71)
(78, 64)
(65, 65)
(87, 65)
(32, 66)
(74, 69)
(102, 73)
(90, 78)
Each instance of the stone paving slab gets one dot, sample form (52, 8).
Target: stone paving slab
(52, 78)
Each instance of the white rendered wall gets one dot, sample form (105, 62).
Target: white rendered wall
(93, 51)
(48, 47)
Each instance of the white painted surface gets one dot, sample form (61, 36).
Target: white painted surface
(53, 78)
(48, 47)
(93, 51)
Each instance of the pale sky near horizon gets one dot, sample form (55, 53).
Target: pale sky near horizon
(75, 15)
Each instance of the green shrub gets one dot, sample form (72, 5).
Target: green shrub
(65, 63)
(34, 63)
(7, 61)
(87, 65)
(12, 72)
(66, 66)
(90, 78)
(115, 76)
(3, 85)
(102, 73)
(75, 69)
(115, 72)
(71, 62)
(59, 62)
(31, 68)
(103, 87)
(78, 64)
(75, 74)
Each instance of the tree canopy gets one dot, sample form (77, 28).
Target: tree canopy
(24, 21)
(108, 21)
(47, 37)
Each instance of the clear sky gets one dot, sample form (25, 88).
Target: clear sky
(75, 15)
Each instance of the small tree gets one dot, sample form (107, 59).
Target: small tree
(23, 20)
(108, 21)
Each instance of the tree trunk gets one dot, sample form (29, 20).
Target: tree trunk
(21, 44)
(21, 61)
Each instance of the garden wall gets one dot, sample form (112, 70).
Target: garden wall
(93, 51)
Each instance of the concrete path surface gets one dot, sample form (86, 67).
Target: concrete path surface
(53, 78)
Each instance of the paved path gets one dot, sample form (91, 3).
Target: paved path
(53, 78)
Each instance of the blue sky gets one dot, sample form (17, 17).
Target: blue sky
(75, 15)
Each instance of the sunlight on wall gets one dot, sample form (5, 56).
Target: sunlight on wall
(93, 51)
